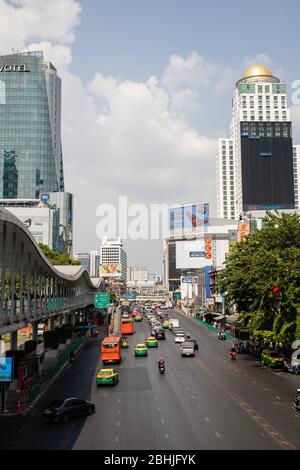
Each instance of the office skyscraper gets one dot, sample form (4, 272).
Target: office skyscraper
(257, 166)
(30, 127)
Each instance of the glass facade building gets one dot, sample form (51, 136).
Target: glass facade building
(30, 127)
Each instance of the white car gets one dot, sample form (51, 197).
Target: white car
(180, 338)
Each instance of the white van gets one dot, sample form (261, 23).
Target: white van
(187, 349)
(173, 323)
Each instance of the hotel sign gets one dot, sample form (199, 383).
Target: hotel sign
(14, 68)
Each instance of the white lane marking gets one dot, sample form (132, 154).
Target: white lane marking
(155, 398)
(193, 398)
(117, 439)
(254, 381)
(265, 389)
(118, 424)
(167, 436)
(217, 434)
(119, 412)
(119, 400)
(207, 419)
(162, 421)
(187, 388)
(278, 398)
(158, 408)
(200, 407)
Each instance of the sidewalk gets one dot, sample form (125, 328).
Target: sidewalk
(48, 375)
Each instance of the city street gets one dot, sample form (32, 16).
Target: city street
(205, 402)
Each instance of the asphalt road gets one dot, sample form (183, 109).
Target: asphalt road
(205, 402)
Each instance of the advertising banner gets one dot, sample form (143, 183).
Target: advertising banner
(110, 270)
(189, 279)
(242, 231)
(187, 220)
(37, 220)
(6, 369)
(192, 254)
(130, 295)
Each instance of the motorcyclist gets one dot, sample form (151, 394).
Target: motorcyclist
(161, 363)
(297, 400)
(233, 352)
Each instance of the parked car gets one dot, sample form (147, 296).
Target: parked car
(187, 349)
(66, 409)
(271, 358)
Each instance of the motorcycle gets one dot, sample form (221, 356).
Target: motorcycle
(297, 403)
(233, 355)
(162, 369)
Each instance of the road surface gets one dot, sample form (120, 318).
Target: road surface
(205, 402)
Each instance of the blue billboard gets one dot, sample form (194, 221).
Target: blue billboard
(6, 369)
(187, 220)
(130, 295)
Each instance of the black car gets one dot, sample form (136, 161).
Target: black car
(160, 334)
(194, 341)
(63, 410)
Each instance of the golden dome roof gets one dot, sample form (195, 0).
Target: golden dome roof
(257, 71)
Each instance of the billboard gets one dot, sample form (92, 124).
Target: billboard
(193, 254)
(37, 220)
(187, 220)
(110, 270)
(243, 230)
(130, 295)
(6, 369)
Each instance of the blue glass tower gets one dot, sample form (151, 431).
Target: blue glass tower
(30, 127)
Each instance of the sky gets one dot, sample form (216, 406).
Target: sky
(147, 89)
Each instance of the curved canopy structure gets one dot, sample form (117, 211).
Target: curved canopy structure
(30, 287)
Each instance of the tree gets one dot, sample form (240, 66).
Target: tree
(57, 259)
(262, 277)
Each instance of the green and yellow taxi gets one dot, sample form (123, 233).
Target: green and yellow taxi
(138, 318)
(140, 350)
(166, 324)
(151, 342)
(107, 377)
(271, 358)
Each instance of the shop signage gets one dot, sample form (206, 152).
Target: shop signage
(14, 68)
(6, 369)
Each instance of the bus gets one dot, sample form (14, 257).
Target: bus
(126, 326)
(111, 350)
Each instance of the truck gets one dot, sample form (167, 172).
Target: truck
(173, 322)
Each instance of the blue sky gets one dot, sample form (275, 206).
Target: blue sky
(134, 38)
(147, 88)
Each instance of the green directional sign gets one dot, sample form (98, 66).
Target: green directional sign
(102, 300)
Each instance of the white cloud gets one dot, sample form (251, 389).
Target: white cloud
(24, 21)
(58, 54)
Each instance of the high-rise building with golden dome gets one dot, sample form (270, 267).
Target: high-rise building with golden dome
(257, 166)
